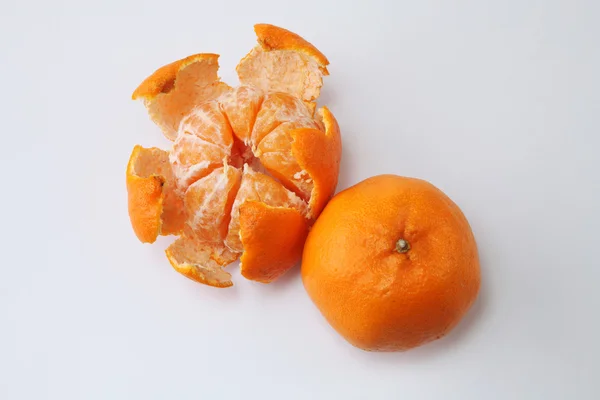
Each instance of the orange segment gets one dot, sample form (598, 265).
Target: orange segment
(279, 114)
(259, 187)
(273, 238)
(283, 62)
(275, 154)
(241, 106)
(208, 204)
(209, 123)
(204, 143)
(192, 158)
(175, 89)
(276, 109)
(154, 207)
(144, 194)
(319, 154)
(163, 79)
(201, 262)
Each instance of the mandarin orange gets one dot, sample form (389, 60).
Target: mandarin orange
(391, 263)
(250, 168)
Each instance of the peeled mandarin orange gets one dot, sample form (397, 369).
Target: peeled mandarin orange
(241, 106)
(250, 168)
(391, 263)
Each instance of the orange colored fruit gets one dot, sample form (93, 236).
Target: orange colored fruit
(250, 167)
(391, 263)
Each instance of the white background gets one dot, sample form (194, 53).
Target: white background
(497, 103)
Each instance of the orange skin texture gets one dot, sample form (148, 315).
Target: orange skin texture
(163, 78)
(376, 297)
(273, 238)
(269, 115)
(201, 264)
(272, 37)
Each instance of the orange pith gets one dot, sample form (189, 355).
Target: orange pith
(284, 62)
(263, 227)
(154, 206)
(246, 175)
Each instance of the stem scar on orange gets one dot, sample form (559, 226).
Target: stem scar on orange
(391, 263)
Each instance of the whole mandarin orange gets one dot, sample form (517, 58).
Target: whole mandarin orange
(391, 263)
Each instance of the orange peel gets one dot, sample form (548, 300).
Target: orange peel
(250, 168)
(258, 187)
(272, 37)
(273, 238)
(154, 207)
(283, 62)
(172, 91)
(319, 155)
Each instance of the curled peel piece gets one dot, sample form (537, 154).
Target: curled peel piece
(273, 239)
(319, 154)
(201, 262)
(172, 91)
(154, 207)
(283, 62)
(251, 167)
(272, 37)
